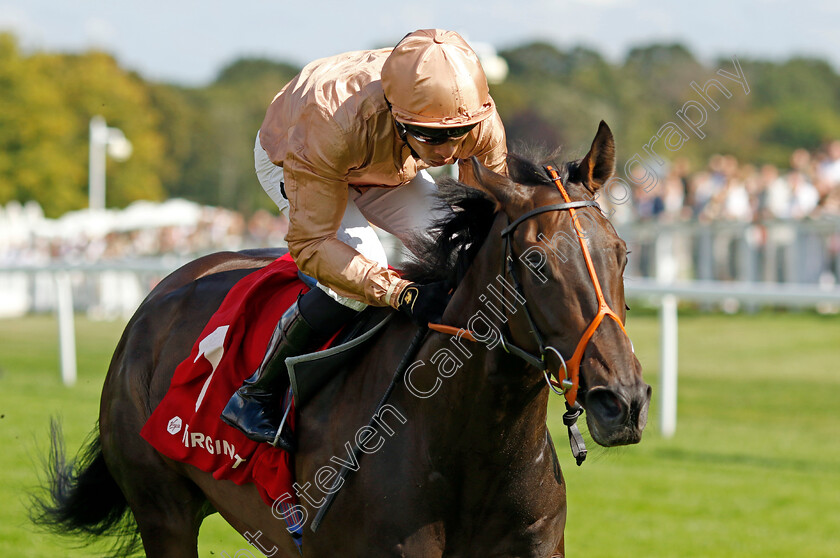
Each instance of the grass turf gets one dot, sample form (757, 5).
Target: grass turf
(754, 469)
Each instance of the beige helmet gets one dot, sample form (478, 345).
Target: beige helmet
(434, 79)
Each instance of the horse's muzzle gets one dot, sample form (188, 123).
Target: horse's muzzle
(617, 417)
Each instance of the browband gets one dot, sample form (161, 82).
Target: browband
(554, 207)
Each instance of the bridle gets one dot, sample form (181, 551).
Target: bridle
(567, 386)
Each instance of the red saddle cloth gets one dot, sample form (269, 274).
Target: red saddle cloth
(186, 426)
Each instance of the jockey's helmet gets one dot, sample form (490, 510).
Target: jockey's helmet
(433, 79)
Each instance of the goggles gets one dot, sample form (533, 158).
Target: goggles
(434, 136)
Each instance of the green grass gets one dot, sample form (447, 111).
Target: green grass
(30, 392)
(754, 469)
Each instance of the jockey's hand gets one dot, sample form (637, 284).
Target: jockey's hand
(424, 303)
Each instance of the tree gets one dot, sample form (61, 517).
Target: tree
(37, 152)
(49, 100)
(197, 142)
(215, 133)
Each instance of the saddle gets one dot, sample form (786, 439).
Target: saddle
(308, 373)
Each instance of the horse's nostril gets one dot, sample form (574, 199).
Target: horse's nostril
(605, 404)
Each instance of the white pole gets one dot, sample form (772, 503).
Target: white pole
(666, 272)
(66, 327)
(668, 366)
(96, 166)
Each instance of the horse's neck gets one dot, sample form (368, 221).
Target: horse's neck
(499, 400)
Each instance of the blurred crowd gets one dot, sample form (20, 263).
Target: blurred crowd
(730, 190)
(726, 190)
(27, 238)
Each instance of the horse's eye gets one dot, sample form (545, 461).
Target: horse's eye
(536, 262)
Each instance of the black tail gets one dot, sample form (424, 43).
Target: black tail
(82, 499)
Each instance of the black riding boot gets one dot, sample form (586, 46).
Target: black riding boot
(256, 408)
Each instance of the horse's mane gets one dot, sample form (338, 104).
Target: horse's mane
(446, 252)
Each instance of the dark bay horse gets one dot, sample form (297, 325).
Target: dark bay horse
(462, 464)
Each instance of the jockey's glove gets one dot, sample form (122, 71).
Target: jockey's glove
(424, 303)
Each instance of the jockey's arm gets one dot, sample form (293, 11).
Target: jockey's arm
(317, 205)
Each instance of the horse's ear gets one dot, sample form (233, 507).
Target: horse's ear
(498, 187)
(599, 164)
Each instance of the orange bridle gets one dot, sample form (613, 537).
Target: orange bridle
(569, 384)
(573, 365)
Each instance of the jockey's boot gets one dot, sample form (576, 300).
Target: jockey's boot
(256, 408)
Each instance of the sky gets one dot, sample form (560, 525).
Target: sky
(188, 41)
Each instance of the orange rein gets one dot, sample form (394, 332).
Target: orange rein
(569, 385)
(453, 331)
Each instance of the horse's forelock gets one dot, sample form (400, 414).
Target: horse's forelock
(527, 165)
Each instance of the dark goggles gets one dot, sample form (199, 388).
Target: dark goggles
(435, 136)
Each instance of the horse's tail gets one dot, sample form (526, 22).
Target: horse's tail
(82, 498)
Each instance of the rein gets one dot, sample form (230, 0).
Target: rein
(567, 386)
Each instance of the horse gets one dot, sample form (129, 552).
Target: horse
(464, 465)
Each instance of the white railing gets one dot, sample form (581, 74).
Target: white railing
(803, 251)
(664, 252)
(110, 289)
(667, 294)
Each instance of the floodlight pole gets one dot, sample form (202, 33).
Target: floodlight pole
(103, 140)
(96, 178)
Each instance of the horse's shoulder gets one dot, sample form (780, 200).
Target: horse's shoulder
(217, 262)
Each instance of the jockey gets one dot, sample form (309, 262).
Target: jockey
(346, 143)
